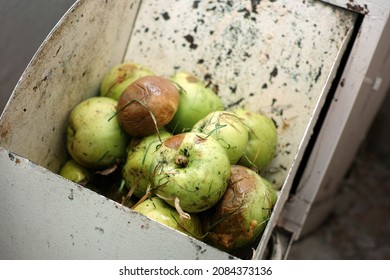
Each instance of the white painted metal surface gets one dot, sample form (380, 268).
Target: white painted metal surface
(277, 57)
(354, 105)
(44, 216)
(273, 57)
(67, 68)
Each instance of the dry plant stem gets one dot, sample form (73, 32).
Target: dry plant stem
(142, 199)
(182, 214)
(185, 229)
(108, 170)
(181, 89)
(132, 189)
(180, 211)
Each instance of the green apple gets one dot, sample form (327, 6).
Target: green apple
(196, 102)
(191, 169)
(75, 172)
(242, 213)
(95, 138)
(137, 168)
(158, 210)
(120, 77)
(228, 129)
(262, 141)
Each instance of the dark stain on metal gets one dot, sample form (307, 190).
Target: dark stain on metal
(11, 156)
(199, 250)
(233, 89)
(195, 5)
(318, 74)
(58, 50)
(254, 4)
(273, 73)
(72, 236)
(190, 39)
(235, 103)
(71, 196)
(146, 226)
(246, 12)
(358, 8)
(99, 229)
(165, 15)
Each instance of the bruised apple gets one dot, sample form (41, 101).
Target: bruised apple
(147, 104)
(262, 140)
(158, 210)
(191, 171)
(242, 213)
(95, 138)
(120, 77)
(137, 168)
(228, 129)
(196, 102)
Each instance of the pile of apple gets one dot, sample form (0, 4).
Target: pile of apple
(167, 148)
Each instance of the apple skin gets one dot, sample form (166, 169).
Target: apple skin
(158, 210)
(242, 213)
(139, 159)
(120, 77)
(95, 138)
(148, 102)
(196, 102)
(262, 140)
(75, 172)
(193, 168)
(228, 129)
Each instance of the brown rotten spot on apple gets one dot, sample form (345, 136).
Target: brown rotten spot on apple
(147, 104)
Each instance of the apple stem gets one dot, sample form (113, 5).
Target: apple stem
(181, 160)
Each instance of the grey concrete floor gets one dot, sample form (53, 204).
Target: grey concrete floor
(359, 227)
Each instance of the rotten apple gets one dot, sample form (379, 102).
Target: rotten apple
(242, 213)
(148, 104)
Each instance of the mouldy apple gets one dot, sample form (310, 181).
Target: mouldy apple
(94, 136)
(137, 168)
(228, 129)
(242, 213)
(262, 141)
(158, 210)
(147, 104)
(192, 170)
(196, 102)
(120, 77)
